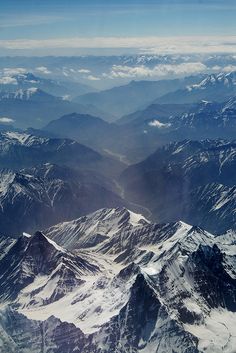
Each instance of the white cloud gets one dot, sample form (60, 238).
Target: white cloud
(84, 71)
(158, 124)
(216, 68)
(229, 68)
(157, 45)
(93, 78)
(43, 70)
(7, 80)
(11, 71)
(161, 70)
(6, 120)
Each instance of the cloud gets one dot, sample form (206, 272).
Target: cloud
(158, 124)
(161, 70)
(7, 75)
(14, 71)
(84, 71)
(93, 78)
(6, 120)
(153, 45)
(7, 80)
(43, 70)
(229, 68)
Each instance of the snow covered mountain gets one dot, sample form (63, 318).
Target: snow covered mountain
(131, 286)
(32, 93)
(215, 119)
(23, 81)
(185, 173)
(93, 229)
(216, 87)
(22, 150)
(215, 204)
(172, 122)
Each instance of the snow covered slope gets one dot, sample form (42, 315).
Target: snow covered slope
(94, 229)
(195, 175)
(130, 286)
(214, 87)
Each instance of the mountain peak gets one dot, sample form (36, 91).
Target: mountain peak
(94, 229)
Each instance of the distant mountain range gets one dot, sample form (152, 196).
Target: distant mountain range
(130, 285)
(126, 99)
(216, 87)
(137, 135)
(24, 81)
(33, 107)
(164, 111)
(87, 129)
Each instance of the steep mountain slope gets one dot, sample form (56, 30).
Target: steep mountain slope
(93, 229)
(209, 119)
(40, 197)
(164, 123)
(215, 204)
(21, 150)
(175, 174)
(38, 260)
(143, 288)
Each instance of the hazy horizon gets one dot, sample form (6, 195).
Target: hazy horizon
(79, 28)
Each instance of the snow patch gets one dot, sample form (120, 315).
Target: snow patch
(217, 334)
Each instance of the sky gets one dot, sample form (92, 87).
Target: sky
(163, 26)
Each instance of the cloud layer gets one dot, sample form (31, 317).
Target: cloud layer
(157, 45)
(119, 71)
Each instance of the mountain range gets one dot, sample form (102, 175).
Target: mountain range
(130, 285)
(189, 180)
(39, 197)
(137, 135)
(21, 150)
(23, 81)
(117, 207)
(217, 87)
(21, 106)
(126, 99)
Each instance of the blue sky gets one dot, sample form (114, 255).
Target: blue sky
(25, 21)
